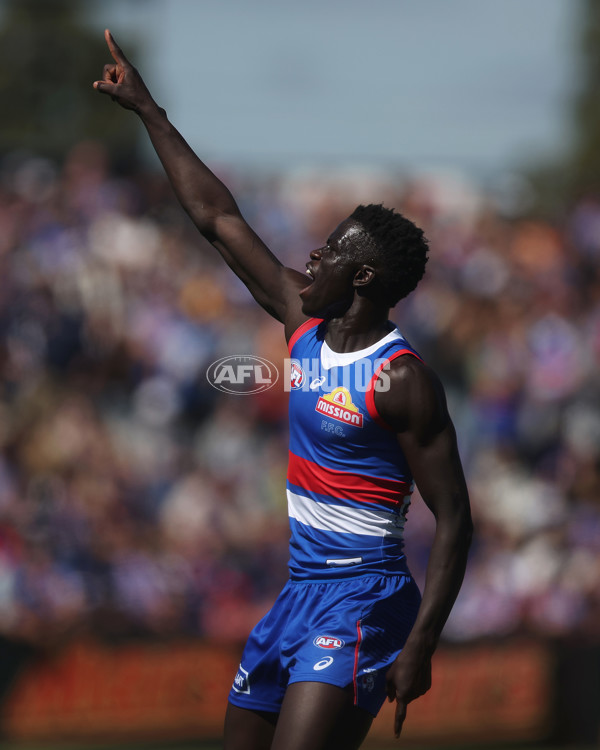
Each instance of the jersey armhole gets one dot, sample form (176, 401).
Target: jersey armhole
(370, 394)
(301, 330)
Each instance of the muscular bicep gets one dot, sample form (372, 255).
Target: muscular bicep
(437, 470)
(416, 408)
(274, 286)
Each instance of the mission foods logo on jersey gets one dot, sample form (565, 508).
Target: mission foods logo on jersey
(338, 405)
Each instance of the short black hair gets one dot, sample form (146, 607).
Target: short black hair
(400, 245)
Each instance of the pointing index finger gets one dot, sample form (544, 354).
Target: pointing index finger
(399, 717)
(115, 50)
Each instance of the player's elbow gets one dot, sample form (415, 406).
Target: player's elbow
(207, 219)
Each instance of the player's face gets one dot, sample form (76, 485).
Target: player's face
(332, 269)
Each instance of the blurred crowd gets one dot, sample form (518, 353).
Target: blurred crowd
(137, 500)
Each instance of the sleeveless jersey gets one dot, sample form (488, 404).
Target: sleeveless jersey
(348, 482)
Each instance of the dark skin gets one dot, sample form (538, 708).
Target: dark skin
(341, 285)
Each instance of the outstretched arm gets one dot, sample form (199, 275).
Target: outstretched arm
(415, 406)
(205, 198)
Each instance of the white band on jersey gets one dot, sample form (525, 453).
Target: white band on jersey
(344, 520)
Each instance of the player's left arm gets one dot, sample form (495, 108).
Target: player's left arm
(415, 406)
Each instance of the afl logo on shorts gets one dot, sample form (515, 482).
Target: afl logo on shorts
(328, 641)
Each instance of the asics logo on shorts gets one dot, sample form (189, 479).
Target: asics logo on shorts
(324, 663)
(328, 641)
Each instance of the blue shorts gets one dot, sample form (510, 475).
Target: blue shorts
(342, 632)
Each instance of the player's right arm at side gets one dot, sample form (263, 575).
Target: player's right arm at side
(205, 198)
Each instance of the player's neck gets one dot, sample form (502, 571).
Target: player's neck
(358, 328)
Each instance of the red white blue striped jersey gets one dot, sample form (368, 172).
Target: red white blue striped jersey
(348, 483)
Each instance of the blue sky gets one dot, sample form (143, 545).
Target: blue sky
(475, 84)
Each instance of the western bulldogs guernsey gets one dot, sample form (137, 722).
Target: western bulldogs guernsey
(350, 603)
(348, 483)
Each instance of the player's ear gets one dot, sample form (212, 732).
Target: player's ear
(364, 276)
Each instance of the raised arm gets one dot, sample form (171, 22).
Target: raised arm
(415, 406)
(205, 198)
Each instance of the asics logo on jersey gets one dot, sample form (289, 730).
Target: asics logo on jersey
(324, 663)
(316, 383)
(338, 405)
(328, 641)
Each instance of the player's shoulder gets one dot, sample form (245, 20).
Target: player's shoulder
(408, 367)
(412, 387)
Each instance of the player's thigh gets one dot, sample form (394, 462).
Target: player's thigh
(318, 716)
(248, 730)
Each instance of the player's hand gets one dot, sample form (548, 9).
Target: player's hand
(408, 678)
(121, 81)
